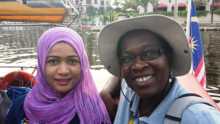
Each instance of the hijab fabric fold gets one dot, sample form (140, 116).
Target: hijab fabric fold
(43, 106)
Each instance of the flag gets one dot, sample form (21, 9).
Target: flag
(196, 43)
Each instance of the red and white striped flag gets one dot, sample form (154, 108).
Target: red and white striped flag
(193, 33)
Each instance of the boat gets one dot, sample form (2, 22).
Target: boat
(13, 85)
(18, 79)
(32, 10)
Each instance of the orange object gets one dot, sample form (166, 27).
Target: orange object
(17, 78)
(15, 11)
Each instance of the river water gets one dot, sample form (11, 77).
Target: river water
(17, 46)
(18, 50)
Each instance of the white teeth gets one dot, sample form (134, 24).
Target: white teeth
(142, 79)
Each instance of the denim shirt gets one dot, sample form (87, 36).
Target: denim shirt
(195, 114)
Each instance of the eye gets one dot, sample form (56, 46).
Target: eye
(73, 61)
(126, 59)
(53, 61)
(151, 54)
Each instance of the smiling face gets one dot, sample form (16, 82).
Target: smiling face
(62, 69)
(144, 63)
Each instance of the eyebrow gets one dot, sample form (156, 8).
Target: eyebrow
(54, 56)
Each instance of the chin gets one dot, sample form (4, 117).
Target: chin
(62, 91)
(145, 94)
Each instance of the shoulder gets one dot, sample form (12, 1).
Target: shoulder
(192, 109)
(16, 112)
(200, 114)
(18, 103)
(75, 120)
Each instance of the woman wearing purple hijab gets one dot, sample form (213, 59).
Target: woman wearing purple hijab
(65, 92)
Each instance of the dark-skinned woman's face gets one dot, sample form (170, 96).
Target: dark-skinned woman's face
(144, 64)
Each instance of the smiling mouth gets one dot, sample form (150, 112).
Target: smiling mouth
(144, 80)
(63, 81)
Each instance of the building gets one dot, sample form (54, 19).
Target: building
(200, 4)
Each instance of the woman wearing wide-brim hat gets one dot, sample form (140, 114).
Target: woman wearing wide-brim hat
(147, 53)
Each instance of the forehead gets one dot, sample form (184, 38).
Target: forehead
(62, 49)
(138, 38)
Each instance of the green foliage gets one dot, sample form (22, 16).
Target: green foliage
(144, 2)
(217, 11)
(129, 9)
(130, 4)
(91, 11)
(182, 13)
(202, 13)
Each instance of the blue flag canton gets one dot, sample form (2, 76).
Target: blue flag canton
(196, 41)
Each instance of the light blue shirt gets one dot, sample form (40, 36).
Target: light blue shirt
(195, 114)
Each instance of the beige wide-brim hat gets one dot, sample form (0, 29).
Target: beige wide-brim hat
(164, 26)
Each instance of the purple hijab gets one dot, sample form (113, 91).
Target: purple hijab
(42, 104)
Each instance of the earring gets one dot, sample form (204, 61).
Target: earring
(170, 80)
(171, 77)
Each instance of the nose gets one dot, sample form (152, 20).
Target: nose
(63, 69)
(138, 65)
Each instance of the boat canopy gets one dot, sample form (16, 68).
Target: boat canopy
(32, 10)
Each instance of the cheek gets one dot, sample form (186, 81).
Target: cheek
(124, 71)
(49, 74)
(49, 71)
(162, 69)
(76, 72)
(126, 75)
(166, 67)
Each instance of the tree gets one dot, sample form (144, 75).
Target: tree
(135, 3)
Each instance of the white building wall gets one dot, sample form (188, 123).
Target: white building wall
(96, 3)
(172, 1)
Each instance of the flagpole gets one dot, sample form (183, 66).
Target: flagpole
(188, 30)
(188, 19)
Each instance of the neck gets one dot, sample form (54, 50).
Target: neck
(146, 107)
